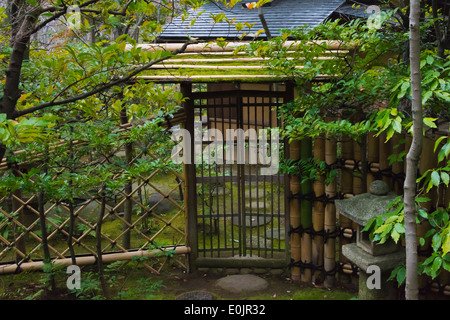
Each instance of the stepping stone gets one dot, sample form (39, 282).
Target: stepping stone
(196, 295)
(164, 206)
(241, 283)
(254, 221)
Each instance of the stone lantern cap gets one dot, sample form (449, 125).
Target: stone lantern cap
(363, 207)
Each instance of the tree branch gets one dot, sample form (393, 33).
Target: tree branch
(103, 87)
(113, 12)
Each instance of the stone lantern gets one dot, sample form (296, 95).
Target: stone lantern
(369, 256)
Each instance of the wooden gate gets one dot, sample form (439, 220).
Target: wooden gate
(238, 209)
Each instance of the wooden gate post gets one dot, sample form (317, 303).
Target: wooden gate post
(190, 200)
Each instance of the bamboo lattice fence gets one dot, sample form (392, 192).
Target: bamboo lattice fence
(132, 225)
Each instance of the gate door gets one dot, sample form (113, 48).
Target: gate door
(240, 195)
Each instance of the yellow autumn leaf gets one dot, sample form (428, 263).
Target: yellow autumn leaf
(24, 96)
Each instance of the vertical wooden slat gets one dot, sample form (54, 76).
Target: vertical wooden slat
(294, 205)
(398, 166)
(385, 149)
(306, 212)
(372, 156)
(190, 201)
(330, 216)
(318, 211)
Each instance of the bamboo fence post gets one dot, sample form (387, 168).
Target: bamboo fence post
(294, 205)
(358, 177)
(347, 186)
(20, 240)
(446, 197)
(306, 212)
(330, 217)
(373, 151)
(385, 148)
(428, 160)
(398, 166)
(318, 210)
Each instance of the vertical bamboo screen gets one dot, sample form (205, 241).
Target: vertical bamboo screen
(318, 233)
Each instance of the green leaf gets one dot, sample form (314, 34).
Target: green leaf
(446, 244)
(437, 263)
(430, 122)
(446, 265)
(400, 228)
(435, 178)
(422, 241)
(436, 242)
(444, 152)
(422, 199)
(445, 178)
(423, 213)
(438, 141)
(401, 275)
(397, 125)
(395, 235)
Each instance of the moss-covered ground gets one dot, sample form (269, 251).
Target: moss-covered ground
(128, 282)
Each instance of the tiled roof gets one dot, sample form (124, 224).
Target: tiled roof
(280, 14)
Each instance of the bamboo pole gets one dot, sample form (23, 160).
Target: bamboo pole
(447, 197)
(295, 243)
(398, 166)
(385, 150)
(210, 67)
(373, 152)
(306, 213)
(347, 172)
(358, 177)
(347, 185)
(318, 210)
(330, 216)
(90, 260)
(428, 160)
(267, 77)
(20, 241)
(231, 46)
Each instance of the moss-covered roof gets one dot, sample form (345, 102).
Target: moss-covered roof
(200, 63)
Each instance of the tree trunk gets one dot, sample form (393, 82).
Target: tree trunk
(11, 89)
(413, 157)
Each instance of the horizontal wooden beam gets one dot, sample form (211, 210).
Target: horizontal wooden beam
(232, 46)
(241, 263)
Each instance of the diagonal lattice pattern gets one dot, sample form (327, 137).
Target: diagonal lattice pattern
(156, 220)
